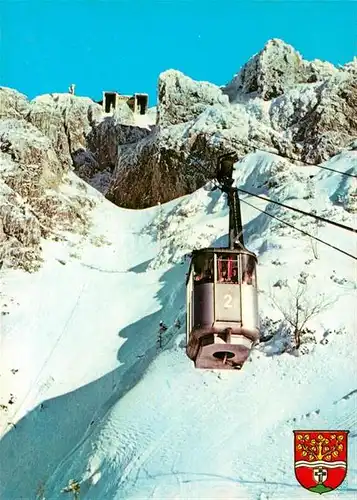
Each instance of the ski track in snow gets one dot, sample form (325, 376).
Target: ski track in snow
(131, 422)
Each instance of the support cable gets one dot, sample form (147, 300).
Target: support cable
(276, 153)
(298, 229)
(308, 214)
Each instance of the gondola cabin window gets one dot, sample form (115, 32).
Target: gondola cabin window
(203, 268)
(227, 268)
(248, 270)
(236, 269)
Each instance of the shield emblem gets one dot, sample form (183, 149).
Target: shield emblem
(320, 459)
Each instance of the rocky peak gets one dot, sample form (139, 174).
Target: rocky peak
(277, 68)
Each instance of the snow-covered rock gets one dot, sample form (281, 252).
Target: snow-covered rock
(321, 118)
(124, 115)
(107, 136)
(292, 107)
(13, 104)
(332, 124)
(274, 70)
(351, 66)
(34, 155)
(180, 99)
(20, 230)
(49, 120)
(177, 159)
(79, 115)
(316, 70)
(82, 133)
(40, 142)
(31, 202)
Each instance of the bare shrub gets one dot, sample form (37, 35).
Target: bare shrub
(314, 231)
(299, 307)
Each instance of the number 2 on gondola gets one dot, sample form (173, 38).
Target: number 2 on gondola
(227, 301)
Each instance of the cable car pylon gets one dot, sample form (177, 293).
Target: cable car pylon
(222, 305)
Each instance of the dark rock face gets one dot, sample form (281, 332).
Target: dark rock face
(333, 122)
(161, 173)
(107, 135)
(179, 159)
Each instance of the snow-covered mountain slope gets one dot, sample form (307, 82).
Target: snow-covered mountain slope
(96, 401)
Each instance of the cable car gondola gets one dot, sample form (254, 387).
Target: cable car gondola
(222, 323)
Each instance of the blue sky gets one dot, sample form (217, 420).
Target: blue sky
(124, 45)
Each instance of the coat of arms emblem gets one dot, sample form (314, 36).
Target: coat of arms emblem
(320, 459)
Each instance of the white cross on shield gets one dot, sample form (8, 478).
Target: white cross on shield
(320, 475)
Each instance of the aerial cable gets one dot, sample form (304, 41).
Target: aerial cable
(337, 171)
(311, 164)
(337, 224)
(295, 159)
(298, 229)
(308, 214)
